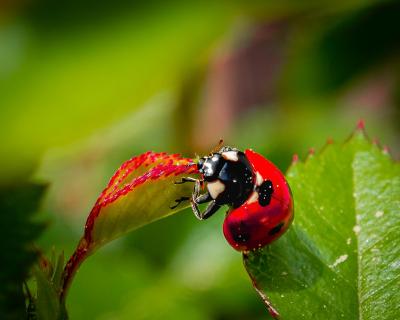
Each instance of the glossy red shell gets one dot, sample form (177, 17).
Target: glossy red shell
(253, 226)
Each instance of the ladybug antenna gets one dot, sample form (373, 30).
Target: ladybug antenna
(217, 147)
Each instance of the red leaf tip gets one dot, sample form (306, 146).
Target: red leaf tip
(295, 158)
(386, 149)
(361, 125)
(375, 141)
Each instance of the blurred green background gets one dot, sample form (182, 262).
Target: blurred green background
(85, 85)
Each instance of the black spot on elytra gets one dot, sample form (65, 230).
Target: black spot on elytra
(241, 235)
(276, 229)
(265, 192)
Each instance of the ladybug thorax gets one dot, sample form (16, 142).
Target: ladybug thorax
(229, 176)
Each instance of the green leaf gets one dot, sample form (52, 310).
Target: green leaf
(141, 191)
(340, 260)
(47, 302)
(18, 203)
(48, 276)
(58, 270)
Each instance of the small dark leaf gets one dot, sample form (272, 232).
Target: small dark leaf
(47, 301)
(18, 203)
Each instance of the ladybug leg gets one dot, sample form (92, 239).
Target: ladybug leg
(186, 179)
(199, 199)
(179, 201)
(196, 210)
(196, 192)
(203, 198)
(210, 210)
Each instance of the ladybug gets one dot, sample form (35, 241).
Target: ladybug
(257, 193)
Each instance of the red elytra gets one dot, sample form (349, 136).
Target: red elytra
(253, 226)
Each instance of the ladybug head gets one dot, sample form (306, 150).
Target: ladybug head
(200, 164)
(210, 166)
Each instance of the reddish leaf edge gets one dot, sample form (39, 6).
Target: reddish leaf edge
(170, 164)
(164, 165)
(271, 309)
(360, 129)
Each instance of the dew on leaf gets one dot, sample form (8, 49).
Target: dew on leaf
(339, 260)
(356, 229)
(395, 264)
(379, 214)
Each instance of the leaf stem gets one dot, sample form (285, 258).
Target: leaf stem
(82, 251)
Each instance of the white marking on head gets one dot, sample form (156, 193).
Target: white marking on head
(215, 188)
(230, 155)
(259, 179)
(207, 168)
(253, 197)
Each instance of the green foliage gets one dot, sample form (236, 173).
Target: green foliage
(48, 276)
(85, 84)
(18, 204)
(341, 44)
(101, 70)
(340, 259)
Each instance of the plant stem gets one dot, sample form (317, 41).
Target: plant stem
(82, 251)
